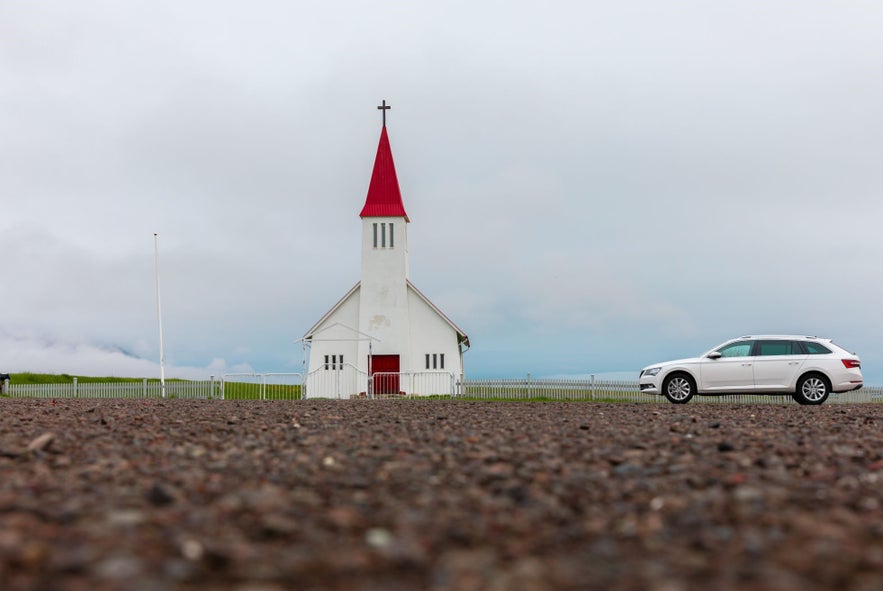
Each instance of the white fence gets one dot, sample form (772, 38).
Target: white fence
(341, 381)
(261, 386)
(348, 382)
(345, 381)
(627, 391)
(554, 389)
(414, 383)
(143, 389)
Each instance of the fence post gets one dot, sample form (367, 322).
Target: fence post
(75, 388)
(593, 386)
(528, 384)
(144, 386)
(211, 387)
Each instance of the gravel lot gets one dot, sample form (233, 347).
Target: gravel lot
(409, 495)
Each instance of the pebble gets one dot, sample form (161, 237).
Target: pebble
(42, 442)
(398, 495)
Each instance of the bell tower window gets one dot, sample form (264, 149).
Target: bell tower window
(380, 235)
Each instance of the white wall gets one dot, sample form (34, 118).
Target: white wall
(337, 335)
(430, 333)
(383, 308)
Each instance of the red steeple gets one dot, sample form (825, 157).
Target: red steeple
(384, 198)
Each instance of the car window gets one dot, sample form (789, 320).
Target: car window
(775, 348)
(738, 349)
(815, 348)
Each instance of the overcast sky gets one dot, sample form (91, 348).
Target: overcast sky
(592, 186)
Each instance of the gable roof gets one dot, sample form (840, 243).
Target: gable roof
(317, 328)
(384, 197)
(461, 336)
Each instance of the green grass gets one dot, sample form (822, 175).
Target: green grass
(48, 378)
(597, 398)
(232, 390)
(250, 391)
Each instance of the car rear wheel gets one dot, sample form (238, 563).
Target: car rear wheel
(812, 389)
(679, 388)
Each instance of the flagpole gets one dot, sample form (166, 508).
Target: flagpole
(162, 359)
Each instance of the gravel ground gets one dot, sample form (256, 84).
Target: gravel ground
(407, 495)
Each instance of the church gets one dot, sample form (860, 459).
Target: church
(384, 337)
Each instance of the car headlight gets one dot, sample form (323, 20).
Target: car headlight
(652, 371)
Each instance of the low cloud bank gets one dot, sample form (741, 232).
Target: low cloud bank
(40, 354)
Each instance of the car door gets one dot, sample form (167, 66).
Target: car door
(732, 371)
(776, 363)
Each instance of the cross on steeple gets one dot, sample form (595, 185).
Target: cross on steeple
(384, 108)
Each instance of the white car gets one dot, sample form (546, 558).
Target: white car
(807, 368)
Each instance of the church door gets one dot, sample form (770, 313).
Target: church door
(388, 368)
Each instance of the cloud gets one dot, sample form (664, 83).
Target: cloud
(34, 353)
(629, 180)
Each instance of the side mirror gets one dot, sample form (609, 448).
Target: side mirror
(714, 355)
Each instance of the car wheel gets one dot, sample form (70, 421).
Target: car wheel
(679, 388)
(812, 389)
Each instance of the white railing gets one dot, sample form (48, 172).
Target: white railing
(554, 389)
(627, 391)
(413, 383)
(143, 389)
(261, 386)
(341, 381)
(348, 382)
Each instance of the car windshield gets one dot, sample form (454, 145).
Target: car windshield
(737, 349)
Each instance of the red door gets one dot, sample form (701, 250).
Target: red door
(388, 368)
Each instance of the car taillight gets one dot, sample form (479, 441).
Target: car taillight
(851, 363)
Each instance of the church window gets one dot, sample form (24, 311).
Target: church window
(435, 361)
(333, 362)
(383, 235)
(375, 235)
(391, 245)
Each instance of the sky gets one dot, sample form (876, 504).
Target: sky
(592, 186)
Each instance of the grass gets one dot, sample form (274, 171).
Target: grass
(596, 398)
(232, 390)
(48, 378)
(254, 391)
(250, 391)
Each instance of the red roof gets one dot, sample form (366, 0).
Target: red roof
(384, 198)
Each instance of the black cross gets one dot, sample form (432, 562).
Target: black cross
(384, 107)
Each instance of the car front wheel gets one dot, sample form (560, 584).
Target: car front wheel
(679, 388)
(812, 389)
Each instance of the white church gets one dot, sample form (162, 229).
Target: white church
(384, 337)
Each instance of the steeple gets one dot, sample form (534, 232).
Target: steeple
(384, 197)
(384, 336)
